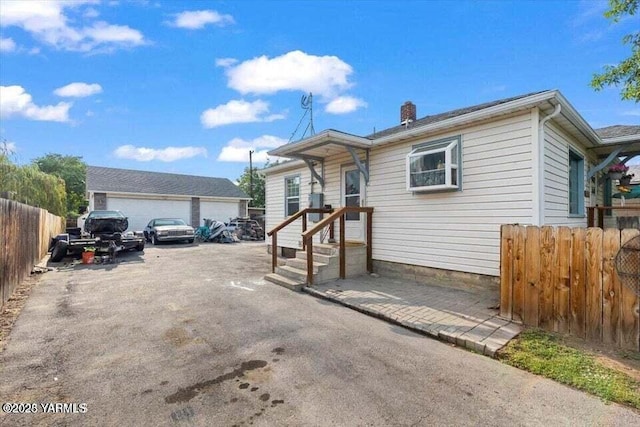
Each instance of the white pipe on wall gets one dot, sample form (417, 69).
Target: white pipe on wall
(543, 122)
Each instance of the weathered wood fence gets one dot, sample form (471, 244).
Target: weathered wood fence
(25, 233)
(564, 280)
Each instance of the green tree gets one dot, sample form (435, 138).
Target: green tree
(244, 182)
(28, 184)
(73, 171)
(627, 73)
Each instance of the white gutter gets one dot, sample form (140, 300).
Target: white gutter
(129, 195)
(556, 111)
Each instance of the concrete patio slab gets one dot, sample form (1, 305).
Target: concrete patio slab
(460, 316)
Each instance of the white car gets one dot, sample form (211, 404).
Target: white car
(168, 230)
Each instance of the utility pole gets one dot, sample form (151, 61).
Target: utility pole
(251, 176)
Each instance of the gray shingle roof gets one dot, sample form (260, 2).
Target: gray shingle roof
(618, 131)
(132, 181)
(447, 115)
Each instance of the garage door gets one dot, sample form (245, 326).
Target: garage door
(220, 211)
(140, 211)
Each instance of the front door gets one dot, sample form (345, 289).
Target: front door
(353, 195)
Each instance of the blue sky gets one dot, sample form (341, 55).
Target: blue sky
(191, 87)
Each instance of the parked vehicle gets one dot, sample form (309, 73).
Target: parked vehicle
(168, 230)
(104, 231)
(246, 229)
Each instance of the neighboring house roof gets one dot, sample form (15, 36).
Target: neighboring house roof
(101, 179)
(618, 131)
(447, 115)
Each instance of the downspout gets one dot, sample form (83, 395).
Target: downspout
(541, 167)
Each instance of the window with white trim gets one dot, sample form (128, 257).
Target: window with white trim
(434, 166)
(576, 184)
(292, 194)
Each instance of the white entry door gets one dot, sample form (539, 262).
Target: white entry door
(353, 194)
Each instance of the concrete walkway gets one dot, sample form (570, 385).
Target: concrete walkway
(459, 316)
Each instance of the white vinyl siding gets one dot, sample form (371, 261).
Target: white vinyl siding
(275, 205)
(557, 144)
(455, 230)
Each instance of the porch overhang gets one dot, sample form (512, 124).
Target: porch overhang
(324, 144)
(626, 146)
(315, 149)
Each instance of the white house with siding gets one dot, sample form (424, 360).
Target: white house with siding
(442, 185)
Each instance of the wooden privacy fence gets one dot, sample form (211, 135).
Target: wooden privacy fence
(25, 233)
(564, 280)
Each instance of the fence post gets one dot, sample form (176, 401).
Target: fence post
(506, 271)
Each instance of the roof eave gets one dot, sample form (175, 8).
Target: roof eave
(519, 104)
(577, 120)
(474, 116)
(621, 139)
(156, 195)
(282, 167)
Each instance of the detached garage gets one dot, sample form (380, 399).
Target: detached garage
(142, 196)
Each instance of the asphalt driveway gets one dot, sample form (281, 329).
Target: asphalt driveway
(192, 335)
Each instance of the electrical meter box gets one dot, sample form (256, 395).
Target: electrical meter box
(316, 200)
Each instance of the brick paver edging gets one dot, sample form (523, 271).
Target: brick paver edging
(485, 337)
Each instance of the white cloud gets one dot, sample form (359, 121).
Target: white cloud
(91, 13)
(7, 45)
(238, 111)
(197, 19)
(48, 22)
(15, 101)
(344, 104)
(225, 62)
(168, 154)
(296, 70)
(635, 113)
(237, 150)
(78, 90)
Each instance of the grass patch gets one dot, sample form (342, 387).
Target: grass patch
(542, 354)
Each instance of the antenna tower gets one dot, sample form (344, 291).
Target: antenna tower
(306, 103)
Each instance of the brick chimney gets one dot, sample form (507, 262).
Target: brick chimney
(407, 113)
